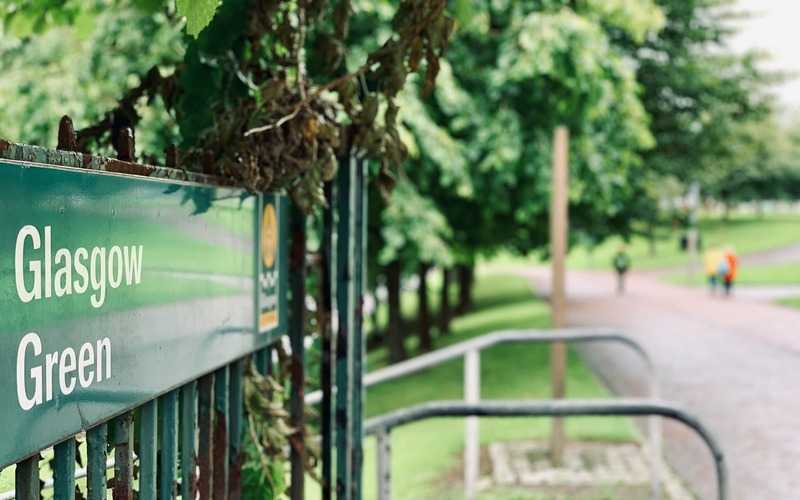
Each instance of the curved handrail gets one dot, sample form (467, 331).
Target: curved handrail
(554, 408)
(431, 359)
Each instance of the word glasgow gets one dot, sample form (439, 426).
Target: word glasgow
(96, 268)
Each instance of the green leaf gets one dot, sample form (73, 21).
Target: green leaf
(199, 14)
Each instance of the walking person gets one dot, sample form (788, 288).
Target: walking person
(621, 263)
(711, 261)
(731, 264)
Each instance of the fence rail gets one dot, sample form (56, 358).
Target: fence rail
(470, 351)
(382, 426)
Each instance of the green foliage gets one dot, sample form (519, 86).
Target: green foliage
(481, 148)
(695, 90)
(199, 14)
(413, 229)
(82, 71)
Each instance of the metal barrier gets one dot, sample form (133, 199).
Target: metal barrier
(382, 426)
(470, 351)
(180, 359)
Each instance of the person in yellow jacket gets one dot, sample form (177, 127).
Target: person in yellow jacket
(711, 263)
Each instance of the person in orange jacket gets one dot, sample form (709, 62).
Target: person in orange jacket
(730, 273)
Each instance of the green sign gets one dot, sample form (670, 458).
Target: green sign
(115, 289)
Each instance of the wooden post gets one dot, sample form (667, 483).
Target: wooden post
(558, 242)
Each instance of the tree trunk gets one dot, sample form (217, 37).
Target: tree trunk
(394, 339)
(375, 315)
(423, 309)
(465, 279)
(651, 238)
(444, 303)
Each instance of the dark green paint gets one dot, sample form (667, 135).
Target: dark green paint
(297, 283)
(97, 456)
(26, 479)
(188, 445)
(148, 446)
(221, 430)
(122, 428)
(205, 425)
(237, 427)
(168, 445)
(192, 312)
(359, 273)
(327, 334)
(64, 470)
(344, 341)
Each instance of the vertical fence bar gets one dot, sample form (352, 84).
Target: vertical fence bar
(168, 442)
(205, 425)
(64, 469)
(97, 456)
(221, 434)
(237, 425)
(384, 453)
(26, 479)
(188, 445)
(123, 457)
(359, 274)
(472, 394)
(344, 309)
(655, 434)
(297, 284)
(148, 447)
(326, 332)
(263, 359)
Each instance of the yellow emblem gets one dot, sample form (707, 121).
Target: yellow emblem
(269, 235)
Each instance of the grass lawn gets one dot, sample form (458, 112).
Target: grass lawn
(747, 234)
(426, 455)
(793, 302)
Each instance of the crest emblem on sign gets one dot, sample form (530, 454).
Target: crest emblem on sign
(269, 235)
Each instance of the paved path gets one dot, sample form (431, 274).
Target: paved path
(781, 255)
(767, 293)
(734, 363)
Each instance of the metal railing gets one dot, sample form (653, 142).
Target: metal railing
(470, 350)
(382, 426)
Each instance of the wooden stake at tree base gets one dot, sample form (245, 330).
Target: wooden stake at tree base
(558, 240)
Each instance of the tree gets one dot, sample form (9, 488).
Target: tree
(414, 236)
(695, 90)
(514, 71)
(266, 94)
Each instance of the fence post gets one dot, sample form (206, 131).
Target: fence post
(123, 457)
(26, 484)
(472, 394)
(359, 274)
(327, 335)
(384, 454)
(168, 446)
(654, 428)
(297, 280)
(148, 450)
(64, 469)
(188, 451)
(344, 340)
